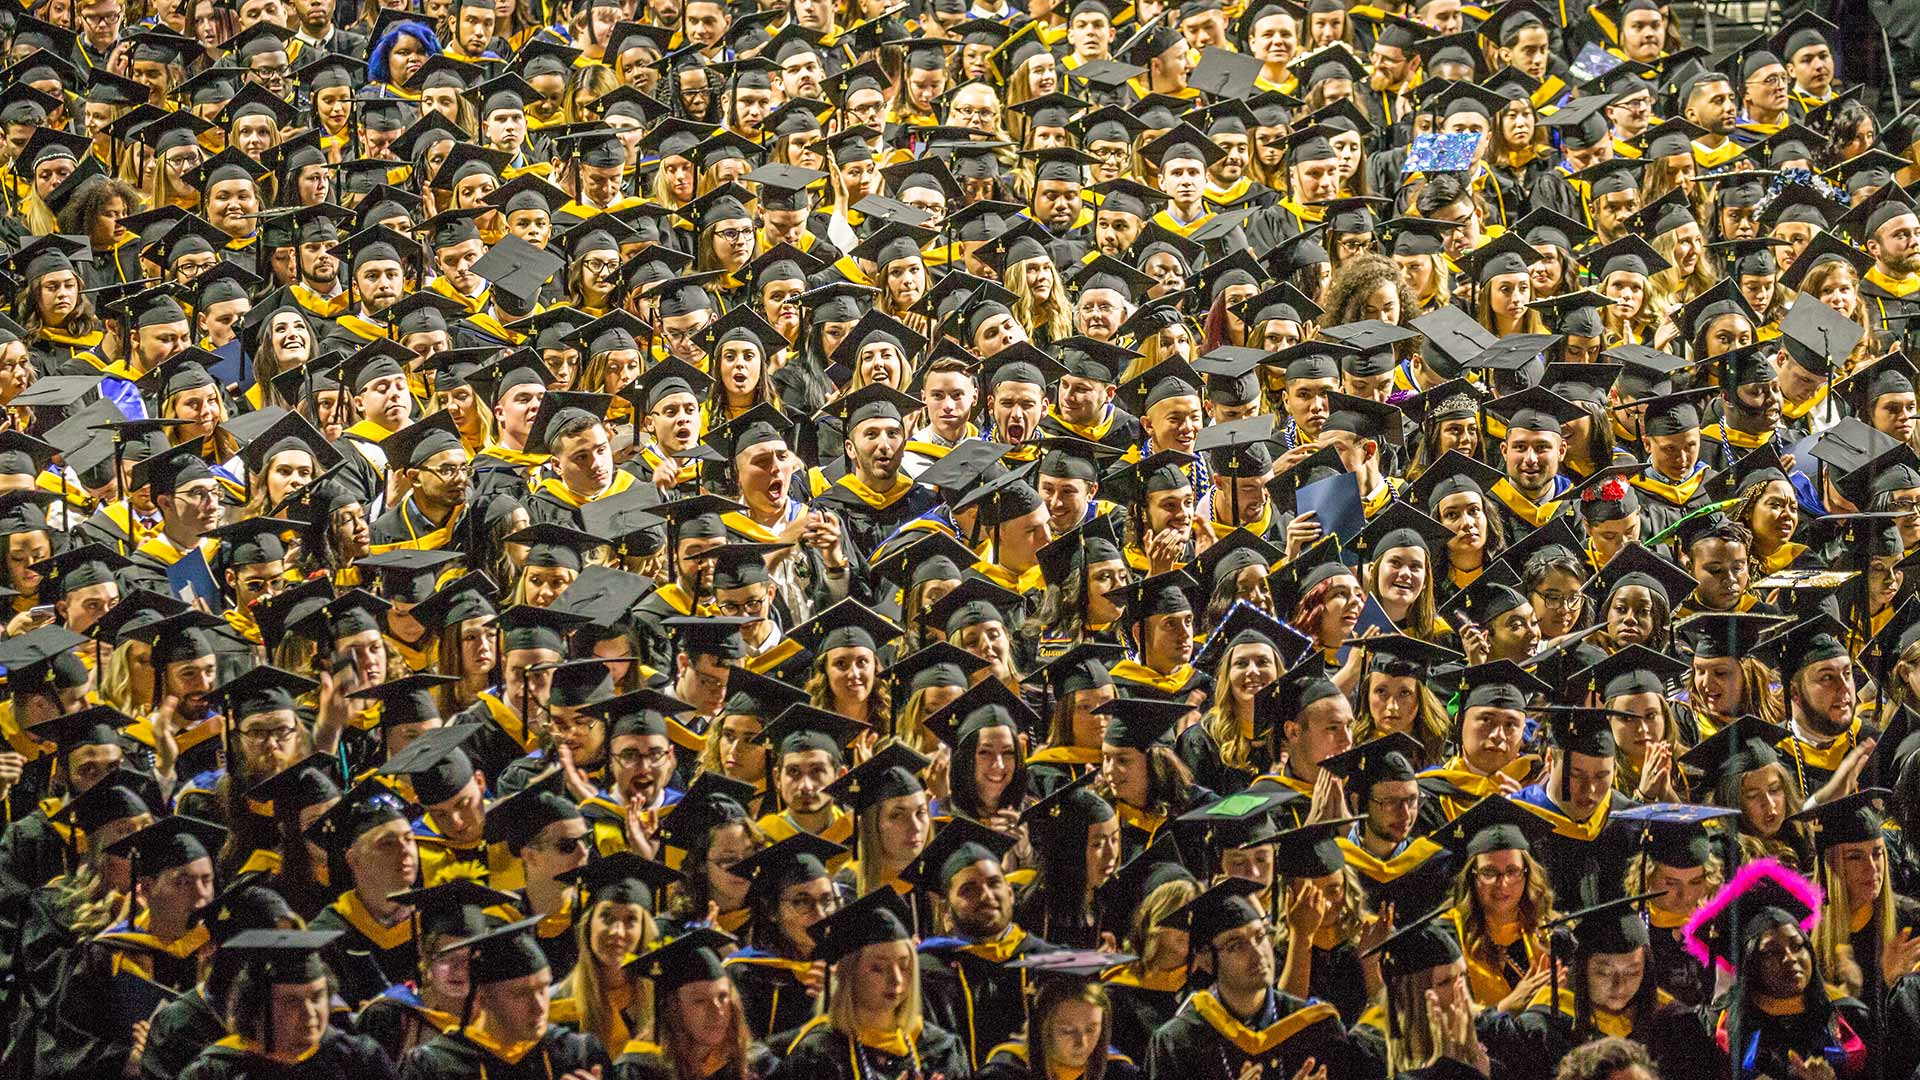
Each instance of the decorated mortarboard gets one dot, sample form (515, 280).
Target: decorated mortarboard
(1763, 895)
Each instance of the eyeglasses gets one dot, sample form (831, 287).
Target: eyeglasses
(631, 757)
(824, 904)
(968, 112)
(1904, 506)
(1777, 79)
(269, 736)
(1112, 156)
(679, 337)
(199, 495)
(452, 471)
(732, 608)
(1565, 601)
(603, 267)
(1491, 876)
(733, 235)
(102, 18)
(1244, 943)
(280, 72)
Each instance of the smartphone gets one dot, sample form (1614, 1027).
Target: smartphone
(41, 612)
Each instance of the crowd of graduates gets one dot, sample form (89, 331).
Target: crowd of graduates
(677, 540)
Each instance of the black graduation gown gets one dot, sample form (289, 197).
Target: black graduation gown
(1335, 978)
(39, 939)
(772, 996)
(1686, 1043)
(33, 850)
(1202, 756)
(866, 522)
(1583, 872)
(403, 523)
(1141, 1007)
(180, 1031)
(494, 475)
(645, 1061)
(85, 1032)
(339, 1055)
(1677, 971)
(1193, 1047)
(1009, 1062)
(969, 990)
(458, 1057)
(1866, 948)
(367, 957)
(399, 1021)
(822, 1053)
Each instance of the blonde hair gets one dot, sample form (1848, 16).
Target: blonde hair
(1047, 320)
(838, 1005)
(1832, 940)
(1816, 280)
(1536, 907)
(910, 724)
(1413, 1045)
(1346, 923)
(1668, 289)
(869, 875)
(120, 675)
(1222, 721)
(1156, 909)
(584, 986)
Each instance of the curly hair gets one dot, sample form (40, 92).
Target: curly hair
(377, 67)
(1356, 280)
(86, 207)
(1604, 1058)
(1848, 118)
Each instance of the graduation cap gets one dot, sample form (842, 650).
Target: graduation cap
(1500, 684)
(1495, 823)
(520, 817)
(172, 841)
(1536, 409)
(503, 954)
(1766, 894)
(264, 689)
(1223, 907)
(1502, 256)
(878, 918)
(689, 958)
(892, 772)
(96, 725)
(77, 568)
(801, 727)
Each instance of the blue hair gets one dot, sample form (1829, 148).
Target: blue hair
(377, 70)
